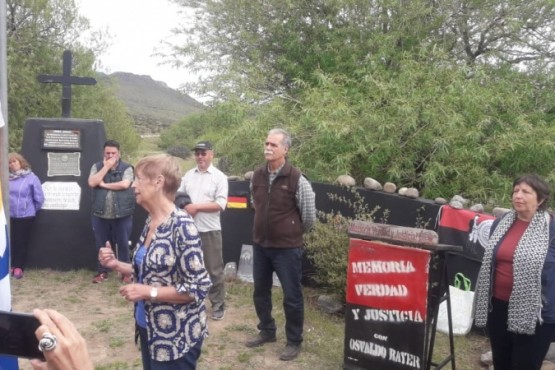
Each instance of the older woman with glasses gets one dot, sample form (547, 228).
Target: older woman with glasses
(171, 282)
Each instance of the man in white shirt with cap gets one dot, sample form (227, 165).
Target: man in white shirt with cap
(207, 187)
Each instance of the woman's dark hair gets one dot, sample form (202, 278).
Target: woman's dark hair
(540, 186)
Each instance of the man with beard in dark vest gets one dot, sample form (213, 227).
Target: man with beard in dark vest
(113, 204)
(284, 205)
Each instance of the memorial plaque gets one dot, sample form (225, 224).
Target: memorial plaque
(244, 272)
(68, 195)
(61, 139)
(64, 164)
(64, 196)
(387, 306)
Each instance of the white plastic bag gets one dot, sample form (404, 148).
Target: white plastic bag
(461, 308)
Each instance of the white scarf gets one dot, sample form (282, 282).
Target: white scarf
(19, 173)
(525, 301)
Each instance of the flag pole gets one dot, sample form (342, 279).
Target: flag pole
(6, 362)
(4, 105)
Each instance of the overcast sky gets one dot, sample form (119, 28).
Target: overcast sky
(136, 27)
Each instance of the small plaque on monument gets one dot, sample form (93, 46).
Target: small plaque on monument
(244, 272)
(64, 196)
(61, 139)
(64, 164)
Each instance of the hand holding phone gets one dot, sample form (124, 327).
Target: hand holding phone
(69, 351)
(17, 335)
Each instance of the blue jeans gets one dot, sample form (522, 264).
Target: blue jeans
(287, 263)
(187, 362)
(118, 231)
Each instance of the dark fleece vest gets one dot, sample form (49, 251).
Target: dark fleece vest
(124, 199)
(277, 220)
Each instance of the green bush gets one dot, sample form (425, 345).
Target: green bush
(327, 245)
(180, 151)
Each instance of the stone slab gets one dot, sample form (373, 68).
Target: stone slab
(393, 234)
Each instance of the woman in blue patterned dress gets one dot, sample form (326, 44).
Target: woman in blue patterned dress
(171, 282)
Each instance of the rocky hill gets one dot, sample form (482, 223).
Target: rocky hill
(152, 104)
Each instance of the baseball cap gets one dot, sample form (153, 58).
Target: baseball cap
(203, 145)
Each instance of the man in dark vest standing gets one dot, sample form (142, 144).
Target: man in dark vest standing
(113, 203)
(284, 205)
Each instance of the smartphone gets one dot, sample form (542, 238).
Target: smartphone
(17, 335)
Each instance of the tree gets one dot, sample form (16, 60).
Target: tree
(423, 93)
(259, 49)
(38, 32)
(493, 32)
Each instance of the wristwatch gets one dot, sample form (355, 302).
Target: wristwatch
(153, 294)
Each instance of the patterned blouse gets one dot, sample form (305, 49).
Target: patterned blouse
(174, 258)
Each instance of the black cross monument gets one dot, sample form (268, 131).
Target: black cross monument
(61, 152)
(66, 79)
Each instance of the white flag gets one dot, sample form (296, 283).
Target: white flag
(2, 122)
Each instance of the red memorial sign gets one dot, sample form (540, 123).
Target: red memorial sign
(387, 295)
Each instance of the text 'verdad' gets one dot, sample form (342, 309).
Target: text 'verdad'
(381, 290)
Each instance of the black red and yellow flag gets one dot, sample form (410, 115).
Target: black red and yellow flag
(236, 202)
